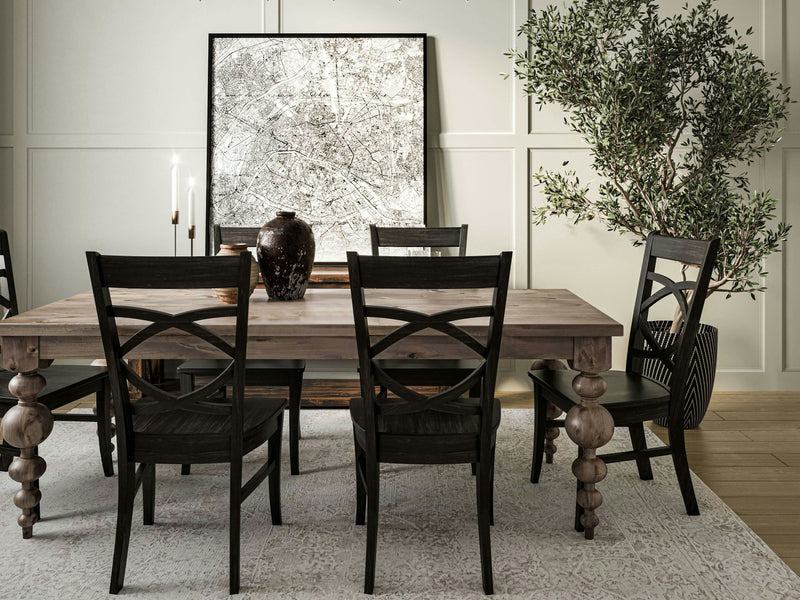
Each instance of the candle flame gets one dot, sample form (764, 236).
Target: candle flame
(175, 159)
(191, 181)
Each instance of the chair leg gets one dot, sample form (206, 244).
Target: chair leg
(475, 392)
(235, 522)
(373, 491)
(7, 454)
(361, 490)
(149, 494)
(483, 483)
(103, 406)
(578, 508)
(491, 491)
(639, 443)
(539, 422)
(187, 385)
(126, 489)
(5, 460)
(274, 456)
(681, 462)
(295, 391)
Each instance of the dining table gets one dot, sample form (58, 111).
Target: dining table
(539, 324)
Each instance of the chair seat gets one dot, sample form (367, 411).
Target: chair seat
(211, 367)
(65, 384)
(182, 437)
(630, 397)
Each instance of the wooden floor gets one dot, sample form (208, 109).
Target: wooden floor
(747, 450)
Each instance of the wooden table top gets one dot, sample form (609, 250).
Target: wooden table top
(326, 312)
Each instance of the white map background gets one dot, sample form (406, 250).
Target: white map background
(330, 127)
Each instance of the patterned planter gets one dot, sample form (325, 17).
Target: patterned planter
(702, 369)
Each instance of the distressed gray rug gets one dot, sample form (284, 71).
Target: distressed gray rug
(646, 547)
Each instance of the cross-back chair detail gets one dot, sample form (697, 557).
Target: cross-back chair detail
(203, 400)
(442, 273)
(688, 294)
(408, 426)
(417, 322)
(154, 399)
(196, 426)
(648, 346)
(643, 343)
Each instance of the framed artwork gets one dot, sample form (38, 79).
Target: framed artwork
(329, 126)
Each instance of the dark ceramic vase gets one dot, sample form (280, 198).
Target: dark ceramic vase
(285, 255)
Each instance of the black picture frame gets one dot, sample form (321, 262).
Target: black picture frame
(331, 159)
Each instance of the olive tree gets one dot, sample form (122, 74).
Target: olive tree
(674, 109)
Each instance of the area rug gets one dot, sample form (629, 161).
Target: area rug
(645, 548)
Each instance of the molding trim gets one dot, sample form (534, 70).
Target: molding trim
(785, 271)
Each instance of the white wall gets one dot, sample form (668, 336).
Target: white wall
(96, 96)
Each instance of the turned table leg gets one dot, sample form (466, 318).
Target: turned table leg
(26, 425)
(590, 425)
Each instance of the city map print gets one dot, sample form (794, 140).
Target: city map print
(329, 127)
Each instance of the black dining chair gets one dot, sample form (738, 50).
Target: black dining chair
(632, 398)
(65, 383)
(192, 428)
(431, 371)
(278, 373)
(400, 425)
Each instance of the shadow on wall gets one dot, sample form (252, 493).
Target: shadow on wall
(434, 185)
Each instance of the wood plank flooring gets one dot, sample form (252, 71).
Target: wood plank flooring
(747, 450)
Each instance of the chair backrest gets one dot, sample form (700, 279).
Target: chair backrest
(418, 237)
(422, 273)
(8, 293)
(235, 234)
(143, 323)
(670, 353)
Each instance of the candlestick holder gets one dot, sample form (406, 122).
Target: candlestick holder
(192, 231)
(175, 218)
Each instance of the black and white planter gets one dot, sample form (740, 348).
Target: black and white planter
(702, 369)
